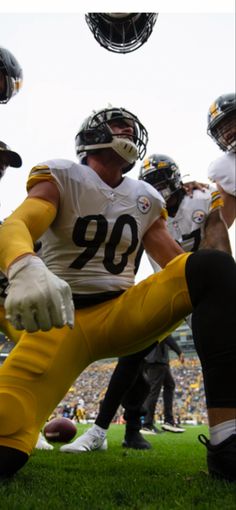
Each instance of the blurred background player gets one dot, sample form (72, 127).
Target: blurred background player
(222, 171)
(159, 376)
(121, 32)
(192, 220)
(11, 75)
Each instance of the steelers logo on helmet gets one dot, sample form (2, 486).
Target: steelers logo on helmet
(11, 76)
(121, 32)
(96, 134)
(198, 216)
(144, 204)
(221, 122)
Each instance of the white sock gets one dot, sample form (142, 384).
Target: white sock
(220, 432)
(99, 431)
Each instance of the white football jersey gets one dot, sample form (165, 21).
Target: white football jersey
(187, 227)
(223, 171)
(94, 240)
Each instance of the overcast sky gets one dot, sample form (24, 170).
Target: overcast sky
(169, 83)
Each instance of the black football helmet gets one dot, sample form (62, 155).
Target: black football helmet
(12, 75)
(162, 173)
(121, 32)
(222, 122)
(96, 134)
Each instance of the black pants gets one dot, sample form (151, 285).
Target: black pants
(128, 386)
(159, 376)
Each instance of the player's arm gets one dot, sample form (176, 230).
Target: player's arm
(37, 299)
(27, 223)
(159, 244)
(215, 229)
(215, 233)
(229, 209)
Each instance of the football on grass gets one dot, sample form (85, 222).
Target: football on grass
(60, 429)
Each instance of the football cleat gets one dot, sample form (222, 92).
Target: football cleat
(172, 427)
(221, 458)
(88, 442)
(42, 443)
(152, 430)
(136, 441)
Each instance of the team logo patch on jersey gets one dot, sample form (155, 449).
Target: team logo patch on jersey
(198, 216)
(144, 204)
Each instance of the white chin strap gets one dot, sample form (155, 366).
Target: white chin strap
(122, 146)
(125, 148)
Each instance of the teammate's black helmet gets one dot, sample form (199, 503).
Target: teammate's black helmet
(162, 173)
(221, 125)
(12, 74)
(121, 32)
(95, 134)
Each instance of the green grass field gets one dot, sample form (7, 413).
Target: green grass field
(173, 475)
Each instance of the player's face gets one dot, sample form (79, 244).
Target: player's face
(122, 128)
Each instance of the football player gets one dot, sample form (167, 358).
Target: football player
(11, 75)
(121, 32)
(222, 128)
(92, 219)
(194, 220)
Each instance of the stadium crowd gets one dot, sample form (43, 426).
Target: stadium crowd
(189, 402)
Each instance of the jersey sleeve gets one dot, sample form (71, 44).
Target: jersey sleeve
(38, 174)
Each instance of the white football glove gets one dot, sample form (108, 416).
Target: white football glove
(36, 298)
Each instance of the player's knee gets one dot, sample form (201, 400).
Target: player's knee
(12, 413)
(210, 271)
(11, 460)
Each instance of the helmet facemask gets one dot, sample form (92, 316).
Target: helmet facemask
(121, 32)
(224, 132)
(12, 74)
(163, 174)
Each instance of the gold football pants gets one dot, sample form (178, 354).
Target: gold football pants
(43, 365)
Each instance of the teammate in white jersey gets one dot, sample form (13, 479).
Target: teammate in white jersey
(72, 208)
(195, 221)
(222, 171)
